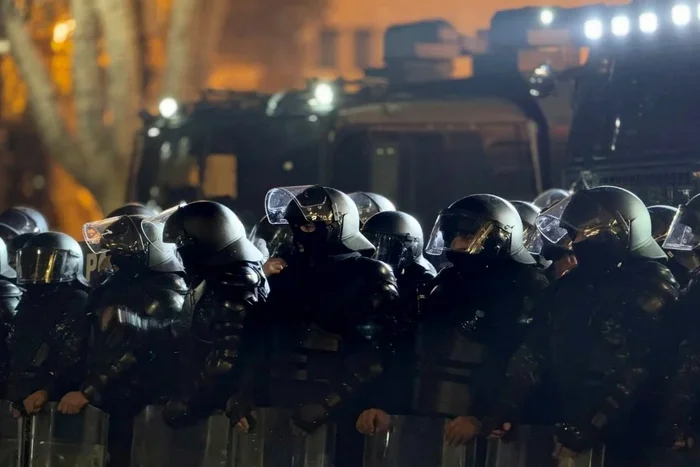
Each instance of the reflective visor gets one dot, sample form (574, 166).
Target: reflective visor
(47, 266)
(365, 206)
(532, 240)
(465, 232)
(314, 210)
(271, 242)
(114, 234)
(681, 236)
(395, 250)
(153, 231)
(548, 223)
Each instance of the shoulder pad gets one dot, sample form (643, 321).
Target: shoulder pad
(162, 302)
(531, 279)
(167, 281)
(654, 285)
(9, 290)
(374, 270)
(443, 280)
(243, 275)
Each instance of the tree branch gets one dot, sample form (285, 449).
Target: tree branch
(178, 48)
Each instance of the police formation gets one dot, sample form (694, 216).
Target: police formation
(559, 332)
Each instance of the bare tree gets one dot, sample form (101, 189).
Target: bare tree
(98, 154)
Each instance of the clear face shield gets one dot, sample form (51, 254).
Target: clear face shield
(532, 240)
(153, 230)
(681, 235)
(47, 266)
(115, 234)
(271, 242)
(464, 232)
(396, 250)
(313, 209)
(590, 224)
(365, 206)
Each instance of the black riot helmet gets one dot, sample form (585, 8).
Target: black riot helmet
(6, 270)
(481, 228)
(397, 238)
(207, 234)
(324, 221)
(549, 198)
(369, 204)
(272, 240)
(605, 224)
(50, 258)
(128, 247)
(19, 220)
(132, 209)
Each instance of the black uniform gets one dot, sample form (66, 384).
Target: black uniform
(49, 344)
(10, 296)
(338, 304)
(611, 305)
(478, 309)
(222, 303)
(137, 313)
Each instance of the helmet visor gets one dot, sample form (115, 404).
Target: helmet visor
(681, 236)
(47, 266)
(548, 223)
(464, 232)
(278, 200)
(532, 240)
(395, 250)
(153, 230)
(365, 206)
(271, 242)
(19, 221)
(114, 234)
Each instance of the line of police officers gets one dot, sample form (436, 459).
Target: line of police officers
(330, 320)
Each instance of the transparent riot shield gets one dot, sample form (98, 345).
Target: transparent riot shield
(535, 446)
(155, 444)
(11, 437)
(419, 442)
(59, 440)
(273, 442)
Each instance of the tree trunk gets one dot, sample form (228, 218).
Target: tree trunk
(209, 29)
(43, 102)
(178, 49)
(87, 90)
(119, 31)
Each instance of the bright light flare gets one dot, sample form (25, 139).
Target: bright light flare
(546, 17)
(680, 15)
(324, 94)
(593, 29)
(648, 23)
(168, 107)
(620, 26)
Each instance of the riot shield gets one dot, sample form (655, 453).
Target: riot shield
(59, 440)
(11, 437)
(419, 442)
(535, 446)
(273, 442)
(155, 444)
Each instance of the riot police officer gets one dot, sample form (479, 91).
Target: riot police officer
(369, 204)
(49, 345)
(274, 242)
(17, 225)
(336, 302)
(136, 313)
(10, 296)
(549, 198)
(476, 312)
(680, 262)
(611, 305)
(228, 290)
(532, 239)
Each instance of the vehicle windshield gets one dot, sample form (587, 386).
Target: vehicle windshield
(642, 102)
